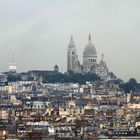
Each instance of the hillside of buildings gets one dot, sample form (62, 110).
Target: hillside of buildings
(41, 100)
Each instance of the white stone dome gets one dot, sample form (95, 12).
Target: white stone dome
(89, 49)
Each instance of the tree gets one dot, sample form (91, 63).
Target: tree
(12, 78)
(131, 85)
(70, 78)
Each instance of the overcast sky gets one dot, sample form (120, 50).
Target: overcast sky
(37, 33)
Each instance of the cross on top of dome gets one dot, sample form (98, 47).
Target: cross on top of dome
(71, 38)
(89, 37)
(102, 57)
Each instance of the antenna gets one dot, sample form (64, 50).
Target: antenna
(12, 58)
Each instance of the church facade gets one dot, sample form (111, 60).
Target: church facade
(89, 64)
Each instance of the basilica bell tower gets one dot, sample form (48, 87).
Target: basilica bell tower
(73, 65)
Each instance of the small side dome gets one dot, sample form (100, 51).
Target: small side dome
(89, 49)
(102, 62)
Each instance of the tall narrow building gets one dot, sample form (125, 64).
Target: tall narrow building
(73, 64)
(89, 57)
(12, 66)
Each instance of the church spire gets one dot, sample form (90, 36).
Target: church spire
(12, 60)
(71, 43)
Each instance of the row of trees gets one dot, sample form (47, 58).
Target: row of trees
(70, 77)
(59, 77)
(131, 85)
(13, 77)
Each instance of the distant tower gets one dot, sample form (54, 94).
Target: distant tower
(56, 69)
(12, 66)
(89, 57)
(72, 58)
